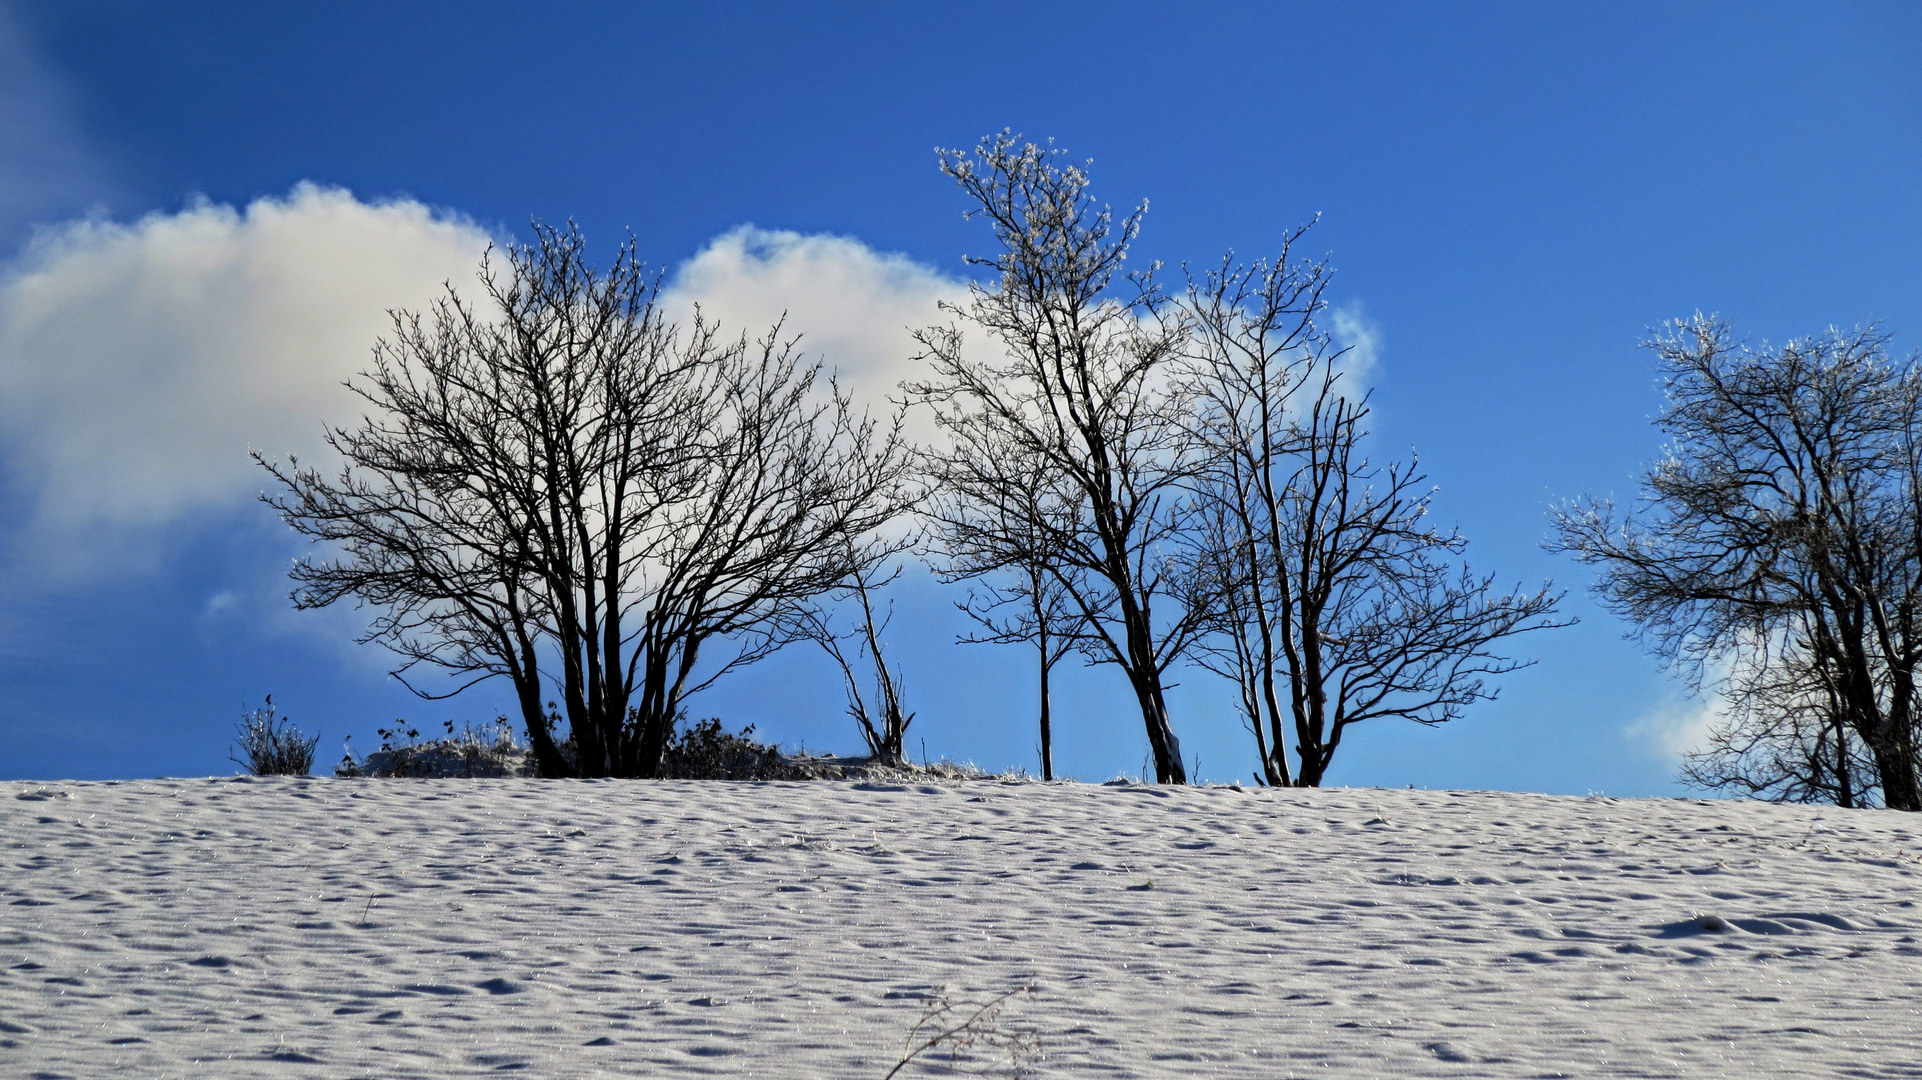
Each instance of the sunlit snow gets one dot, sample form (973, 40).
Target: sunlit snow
(395, 928)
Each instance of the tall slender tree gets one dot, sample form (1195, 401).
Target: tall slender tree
(1333, 599)
(1024, 605)
(1062, 451)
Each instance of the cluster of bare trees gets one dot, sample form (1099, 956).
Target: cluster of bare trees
(1775, 557)
(558, 486)
(1156, 479)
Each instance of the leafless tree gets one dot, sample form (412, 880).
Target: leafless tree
(1030, 608)
(1022, 602)
(1779, 540)
(1325, 580)
(1257, 341)
(1063, 452)
(882, 720)
(560, 487)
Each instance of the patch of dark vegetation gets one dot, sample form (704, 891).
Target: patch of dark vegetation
(472, 752)
(703, 750)
(707, 751)
(270, 744)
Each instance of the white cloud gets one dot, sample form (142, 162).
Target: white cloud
(1679, 725)
(854, 307)
(140, 362)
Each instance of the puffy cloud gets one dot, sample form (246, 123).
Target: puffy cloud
(140, 362)
(854, 307)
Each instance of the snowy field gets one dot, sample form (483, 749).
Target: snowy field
(405, 928)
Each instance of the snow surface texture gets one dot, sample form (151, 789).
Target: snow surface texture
(410, 928)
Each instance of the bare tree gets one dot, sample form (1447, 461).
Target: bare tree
(1320, 569)
(1063, 452)
(882, 720)
(795, 490)
(1019, 602)
(1257, 342)
(1031, 608)
(561, 479)
(1779, 540)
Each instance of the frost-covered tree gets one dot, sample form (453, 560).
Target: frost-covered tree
(1064, 453)
(1775, 555)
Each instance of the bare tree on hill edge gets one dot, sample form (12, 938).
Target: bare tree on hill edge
(559, 487)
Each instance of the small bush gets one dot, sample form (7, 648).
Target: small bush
(472, 752)
(699, 751)
(706, 751)
(272, 745)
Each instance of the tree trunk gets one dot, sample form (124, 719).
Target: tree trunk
(1895, 764)
(1267, 774)
(1047, 750)
(1161, 736)
(1274, 759)
(653, 719)
(1899, 730)
(547, 756)
(1311, 743)
(654, 729)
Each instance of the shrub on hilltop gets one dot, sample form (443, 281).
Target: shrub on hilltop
(704, 750)
(272, 745)
(707, 751)
(489, 751)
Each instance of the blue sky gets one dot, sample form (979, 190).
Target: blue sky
(1512, 195)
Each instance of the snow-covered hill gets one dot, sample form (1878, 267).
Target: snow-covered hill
(406, 928)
